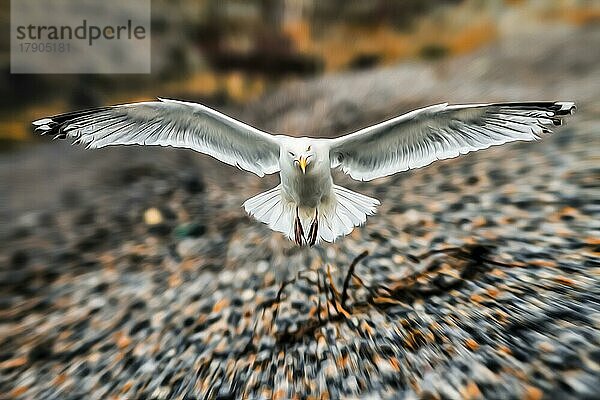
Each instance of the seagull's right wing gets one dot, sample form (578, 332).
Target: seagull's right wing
(441, 131)
(170, 123)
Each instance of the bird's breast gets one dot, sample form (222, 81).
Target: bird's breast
(307, 190)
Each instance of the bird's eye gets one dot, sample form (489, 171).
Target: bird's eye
(291, 154)
(308, 148)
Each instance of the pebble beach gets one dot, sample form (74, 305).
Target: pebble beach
(132, 273)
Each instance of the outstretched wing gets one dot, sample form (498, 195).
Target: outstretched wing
(170, 123)
(420, 137)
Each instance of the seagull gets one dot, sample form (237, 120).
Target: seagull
(307, 206)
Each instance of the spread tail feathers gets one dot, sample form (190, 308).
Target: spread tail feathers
(343, 212)
(270, 208)
(338, 215)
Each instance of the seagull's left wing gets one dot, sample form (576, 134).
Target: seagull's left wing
(170, 123)
(420, 137)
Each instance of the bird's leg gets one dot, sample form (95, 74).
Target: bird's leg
(298, 231)
(314, 228)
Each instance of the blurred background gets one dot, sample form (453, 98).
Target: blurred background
(245, 56)
(158, 234)
(233, 52)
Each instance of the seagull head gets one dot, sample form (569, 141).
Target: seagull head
(301, 155)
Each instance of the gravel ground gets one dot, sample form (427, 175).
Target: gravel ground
(130, 273)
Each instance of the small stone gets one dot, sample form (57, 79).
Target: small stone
(532, 393)
(189, 230)
(248, 295)
(153, 216)
(472, 344)
(190, 247)
(193, 183)
(19, 259)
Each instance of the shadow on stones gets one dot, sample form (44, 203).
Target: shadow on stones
(445, 270)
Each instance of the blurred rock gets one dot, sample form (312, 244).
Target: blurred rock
(153, 216)
(189, 230)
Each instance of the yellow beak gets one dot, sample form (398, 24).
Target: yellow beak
(302, 164)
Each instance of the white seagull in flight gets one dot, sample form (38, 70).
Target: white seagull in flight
(307, 206)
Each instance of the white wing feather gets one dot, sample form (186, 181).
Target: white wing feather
(170, 123)
(442, 131)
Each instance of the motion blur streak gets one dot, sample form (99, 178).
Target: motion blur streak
(134, 273)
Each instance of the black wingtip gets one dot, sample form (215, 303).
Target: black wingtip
(558, 108)
(53, 125)
(565, 108)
